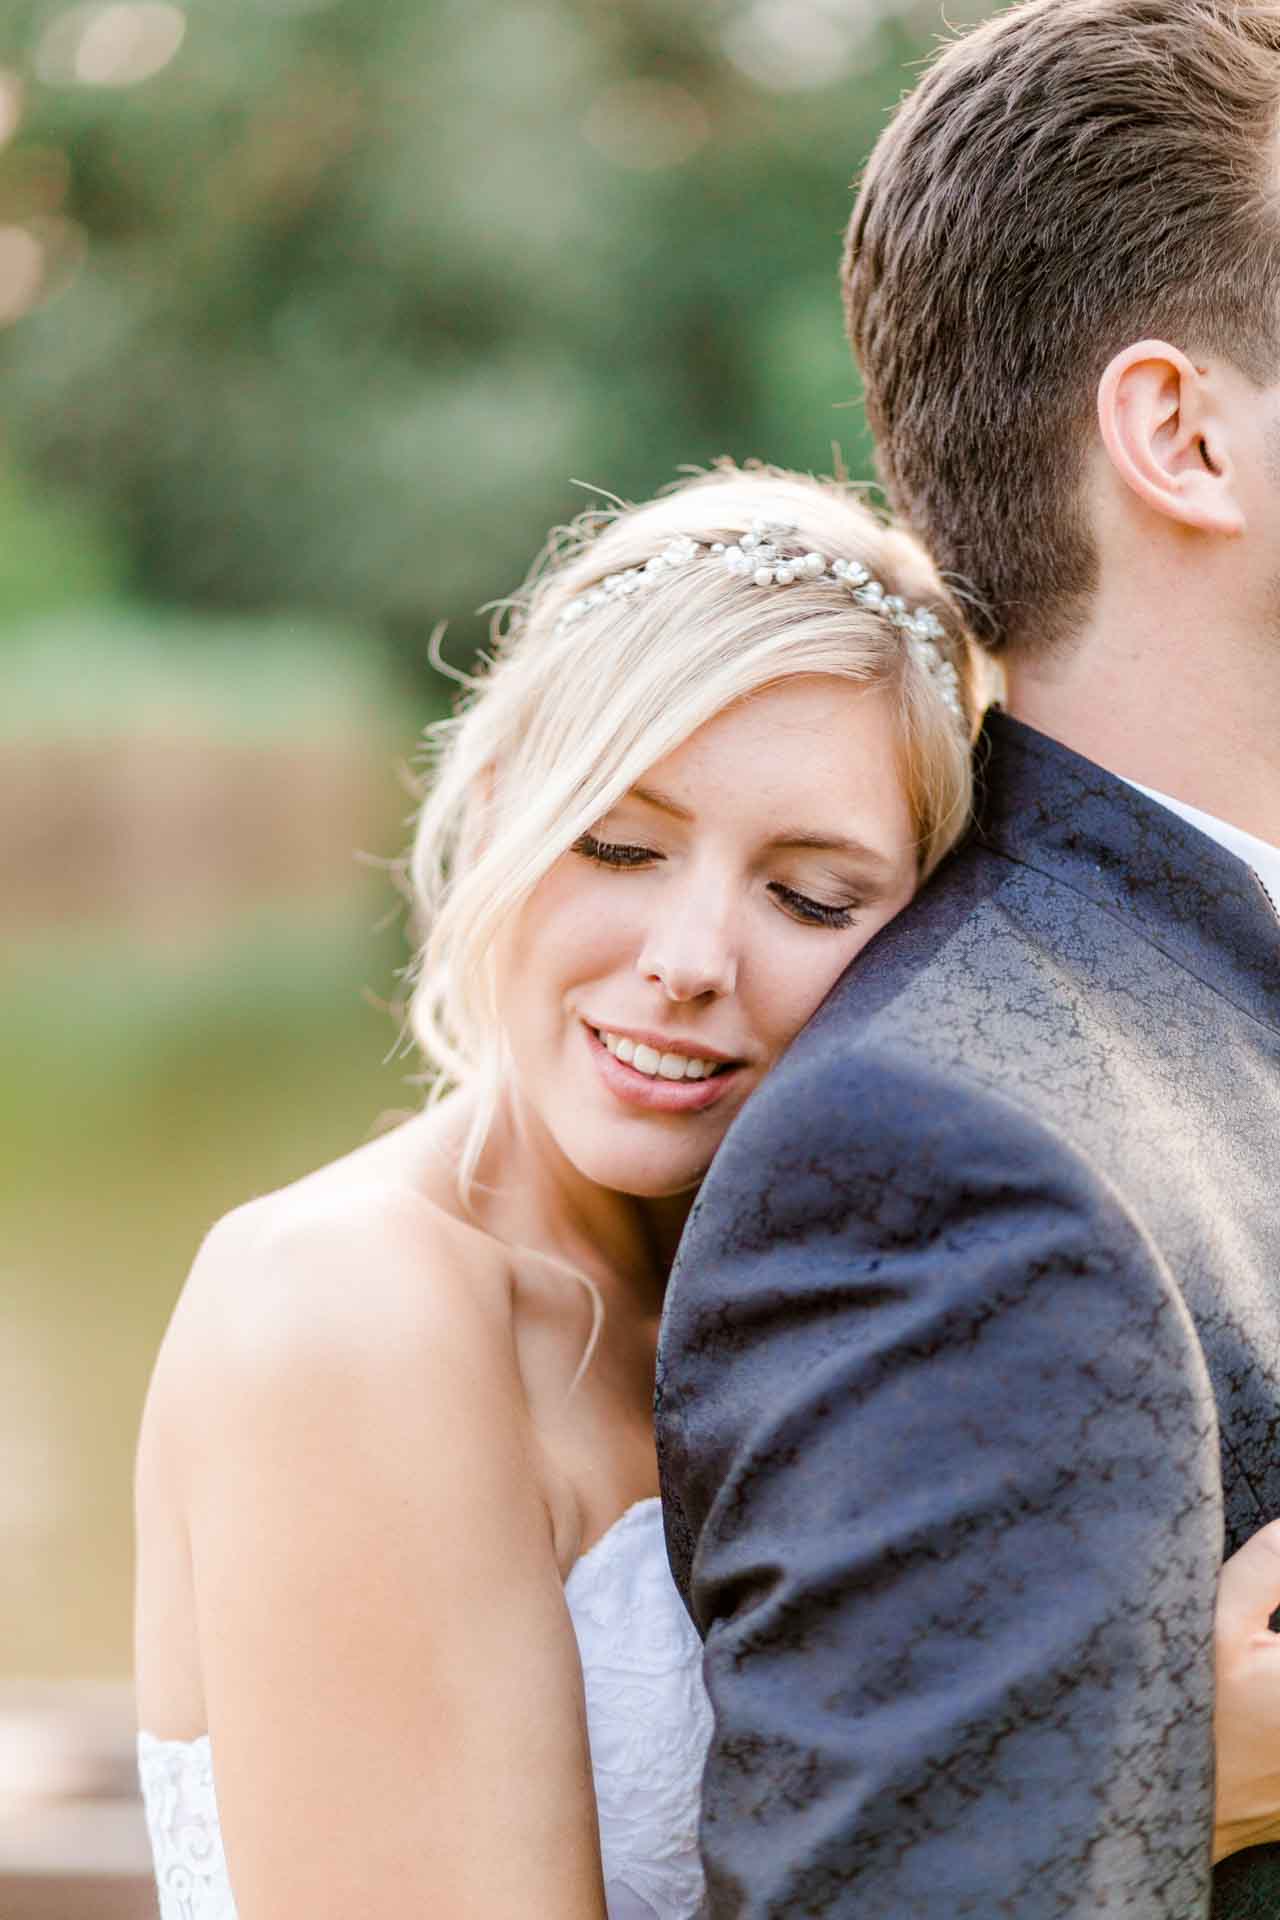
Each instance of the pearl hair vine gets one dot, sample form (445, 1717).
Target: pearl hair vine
(767, 556)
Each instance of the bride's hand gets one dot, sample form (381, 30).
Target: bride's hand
(1247, 1716)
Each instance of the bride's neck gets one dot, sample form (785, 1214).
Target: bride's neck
(528, 1194)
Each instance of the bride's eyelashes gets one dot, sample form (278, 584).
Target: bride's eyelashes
(815, 913)
(606, 853)
(811, 913)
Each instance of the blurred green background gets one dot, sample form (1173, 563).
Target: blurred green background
(311, 314)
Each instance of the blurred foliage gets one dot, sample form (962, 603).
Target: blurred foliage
(53, 553)
(305, 334)
(353, 293)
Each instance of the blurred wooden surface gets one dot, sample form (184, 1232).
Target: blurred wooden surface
(78, 1897)
(73, 1841)
(164, 833)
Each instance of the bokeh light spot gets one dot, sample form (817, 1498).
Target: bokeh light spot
(792, 46)
(110, 46)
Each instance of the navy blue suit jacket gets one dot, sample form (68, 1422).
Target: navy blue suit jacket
(970, 1364)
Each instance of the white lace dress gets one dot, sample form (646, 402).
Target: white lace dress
(649, 1722)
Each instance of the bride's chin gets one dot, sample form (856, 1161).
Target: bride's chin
(641, 1177)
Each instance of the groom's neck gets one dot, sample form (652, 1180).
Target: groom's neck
(1181, 706)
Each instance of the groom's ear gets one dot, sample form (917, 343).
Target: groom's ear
(1168, 438)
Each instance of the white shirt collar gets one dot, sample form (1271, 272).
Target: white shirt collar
(1260, 854)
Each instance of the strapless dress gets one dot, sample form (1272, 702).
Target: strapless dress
(648, 1718)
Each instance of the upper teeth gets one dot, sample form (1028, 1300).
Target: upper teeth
(662, 1066)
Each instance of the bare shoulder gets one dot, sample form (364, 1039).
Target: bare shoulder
(373, 1597)
(361, 1260)
(338, 1287)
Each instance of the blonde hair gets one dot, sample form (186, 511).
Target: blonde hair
(569, 716)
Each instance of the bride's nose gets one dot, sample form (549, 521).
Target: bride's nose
(690, 951)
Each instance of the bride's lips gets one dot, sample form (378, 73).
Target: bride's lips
(654, 1095)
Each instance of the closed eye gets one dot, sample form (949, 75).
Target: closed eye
(607, 853)
(815, 913)
(811, 913)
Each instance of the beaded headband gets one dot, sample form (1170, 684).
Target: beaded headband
(761, 556)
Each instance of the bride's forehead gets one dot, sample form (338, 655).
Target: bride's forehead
(808, 706)
(808, 732)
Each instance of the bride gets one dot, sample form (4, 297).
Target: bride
(402, 1591)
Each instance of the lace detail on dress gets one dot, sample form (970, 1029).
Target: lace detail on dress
(648, 1717)
(182, 1820)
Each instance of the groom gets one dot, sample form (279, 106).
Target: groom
(971, 1360)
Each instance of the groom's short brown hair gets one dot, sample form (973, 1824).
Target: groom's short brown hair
(1070, 177)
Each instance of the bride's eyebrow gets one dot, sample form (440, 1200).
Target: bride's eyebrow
(652, 797)
(789, 840)
(799, 839)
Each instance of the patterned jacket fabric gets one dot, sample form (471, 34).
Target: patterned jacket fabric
(970, 1363)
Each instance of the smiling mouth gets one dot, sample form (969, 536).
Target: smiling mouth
(671, 1067)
